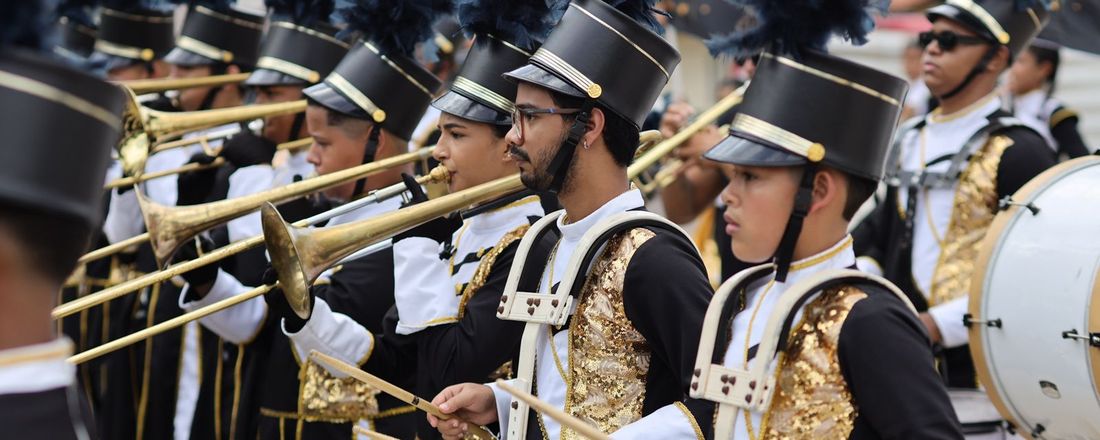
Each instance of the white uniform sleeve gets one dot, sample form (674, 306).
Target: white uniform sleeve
(504, 402)
(668, 422)
(238, 324)
(123, 217)
(163, 189)
(869, 265)
(423, 290)
(949, 318)
(334, 334)
(243, 182)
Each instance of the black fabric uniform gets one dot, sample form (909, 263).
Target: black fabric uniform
(882, 235)
(665, 294)
(1067, 136)
(57, 414)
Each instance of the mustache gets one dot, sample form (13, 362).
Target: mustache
(517, 152)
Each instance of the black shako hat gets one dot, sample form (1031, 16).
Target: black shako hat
(391, 90)
(1010, 23)
(57, 171)
(130, 36)
(295, 54)
(76, 40)
(801, 112)
(480, 92)
(600, 53)
(221, 36)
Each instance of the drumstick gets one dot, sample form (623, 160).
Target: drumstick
(372, 434)
(473, 430)
(562, 417)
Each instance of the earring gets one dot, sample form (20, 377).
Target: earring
(585, 145)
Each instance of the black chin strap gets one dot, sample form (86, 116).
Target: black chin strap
(368, 157)
(977, 70)
(296, 127)
(559, 167)
(802, 201)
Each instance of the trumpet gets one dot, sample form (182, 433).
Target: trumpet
(144, 86)
(169, 227)
(438, 174)
(187, 168)
(142, 126)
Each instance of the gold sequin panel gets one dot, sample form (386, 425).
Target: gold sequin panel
(812, 398)
(608, 357)
(973, 211)
(324, 397)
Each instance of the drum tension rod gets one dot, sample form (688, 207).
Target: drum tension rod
(1007, 201)
(968, 320)
(1092, 338)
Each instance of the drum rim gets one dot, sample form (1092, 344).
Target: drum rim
(989, 243)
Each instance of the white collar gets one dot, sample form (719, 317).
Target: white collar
(977, 110)
(506, 216)
(631, 199)
(838, 256)
(36, 368)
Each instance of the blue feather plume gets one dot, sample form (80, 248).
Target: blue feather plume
(302, 12)
(139, 5)
(525, 23)
(28, 24)
(394, 26)
(641, 11)
(77, 11)
(791, 27)
(1022, 5)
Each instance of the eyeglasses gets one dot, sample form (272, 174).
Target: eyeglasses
(948, 40)
(520, 116)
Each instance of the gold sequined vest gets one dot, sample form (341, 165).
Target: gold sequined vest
(973, 210)
(812, 399)
(608, 357)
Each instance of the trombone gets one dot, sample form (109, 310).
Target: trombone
(438, 174)
(171, 226)
(187, 168)
(141, 126)
(155, 85)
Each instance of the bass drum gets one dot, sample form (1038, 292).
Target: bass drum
(1035, 312)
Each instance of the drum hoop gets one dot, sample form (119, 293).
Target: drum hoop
(1094, 327)
(989, 244)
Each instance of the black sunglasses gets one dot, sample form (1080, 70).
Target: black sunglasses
(948, 40)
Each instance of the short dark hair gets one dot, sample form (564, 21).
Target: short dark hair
(619, 133)
(1047, 55)
(351, 125)
(500, 131)
(51, 242)
(859, 190)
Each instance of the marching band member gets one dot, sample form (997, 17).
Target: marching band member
(1031, 84)
(622, 361)
(449, 273)
(49, 209)
(951, 169)
(799, 347)
(365, 110)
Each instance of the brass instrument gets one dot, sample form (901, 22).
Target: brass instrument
(438, 174)
(143, 86)
(187, 168)
(171, 226)
(142, 126)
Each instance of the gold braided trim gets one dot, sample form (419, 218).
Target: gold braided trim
(399, 69)
(132, 52)
(510, 45)
(765, 130)
(481, 274)
(983, 16)
(223, 17)
(828, 76)
(311, 32)
(1061, 115)
(50, 93)
(567, 70)
(638, 48)
(87, 31)
(204, 49)
(137, 17)
(691, 419)
(361, 100)
(479, 91)
(283, 66)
